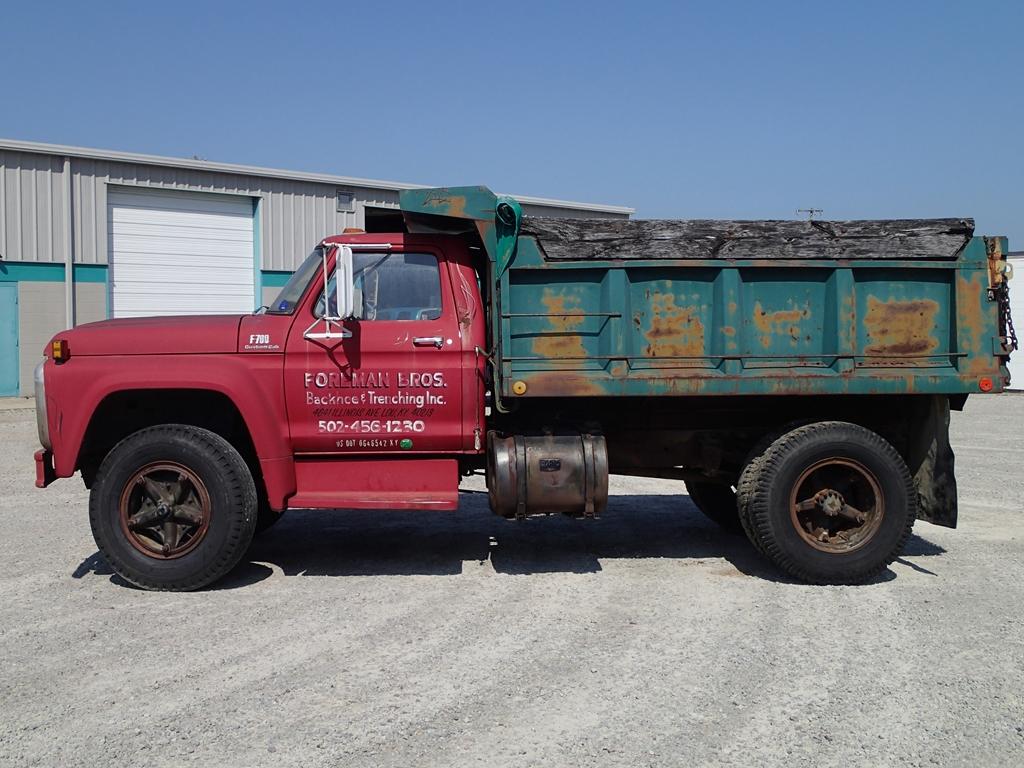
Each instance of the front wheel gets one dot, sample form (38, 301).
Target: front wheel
(829, 503)
(173, 508)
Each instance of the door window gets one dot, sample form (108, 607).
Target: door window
(394, 286)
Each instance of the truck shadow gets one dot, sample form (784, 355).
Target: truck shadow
(355, 543)
(393, 543)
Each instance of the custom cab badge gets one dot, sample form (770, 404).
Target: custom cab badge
(261, 342)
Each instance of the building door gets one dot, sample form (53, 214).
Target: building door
(180, 253)
(9, 361)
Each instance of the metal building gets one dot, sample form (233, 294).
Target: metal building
(89, 234)
(1016, 261)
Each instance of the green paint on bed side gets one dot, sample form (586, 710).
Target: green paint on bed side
(761, 326)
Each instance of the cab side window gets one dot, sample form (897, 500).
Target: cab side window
(395, 286)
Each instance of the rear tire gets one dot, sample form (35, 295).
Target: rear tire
(747, 481)
(829, 503)
(173, 508)
(717, 502)
(744, 493)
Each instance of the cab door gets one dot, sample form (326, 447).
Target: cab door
(394, 385)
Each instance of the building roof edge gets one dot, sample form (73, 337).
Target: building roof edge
(274, 173)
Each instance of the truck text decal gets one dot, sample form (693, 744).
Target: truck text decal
(367, 403)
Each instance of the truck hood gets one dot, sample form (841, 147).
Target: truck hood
(196, 334)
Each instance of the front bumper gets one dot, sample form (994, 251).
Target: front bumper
(42, 419)
(45, 473)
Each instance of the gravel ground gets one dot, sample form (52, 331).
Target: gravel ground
(406, 639)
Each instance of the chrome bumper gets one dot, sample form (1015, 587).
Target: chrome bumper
(42, 422)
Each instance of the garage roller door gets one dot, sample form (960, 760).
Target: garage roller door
(179, 253)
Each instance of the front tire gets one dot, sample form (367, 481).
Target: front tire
(173, 508)
(829, 503)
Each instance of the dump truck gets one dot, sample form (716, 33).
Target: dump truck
(797, 376)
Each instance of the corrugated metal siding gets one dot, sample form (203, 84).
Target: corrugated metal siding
(551, 211)
(32, 204)
(295, 214)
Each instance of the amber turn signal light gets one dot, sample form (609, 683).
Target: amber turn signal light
(60, 350)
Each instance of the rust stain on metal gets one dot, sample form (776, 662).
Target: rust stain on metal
(563, 383)
(971, 324)
(901, 327)
(618, 370)
(996, 262)
(847, 330)
(456, 204)
(675, 331)
(562, 339)
(730, 338)
(783, 321)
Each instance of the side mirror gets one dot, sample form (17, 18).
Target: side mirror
(339, 297)
(344, 283)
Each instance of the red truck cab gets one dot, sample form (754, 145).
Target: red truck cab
(400, 380)
(320, 419)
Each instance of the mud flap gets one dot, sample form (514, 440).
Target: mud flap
(930, 458)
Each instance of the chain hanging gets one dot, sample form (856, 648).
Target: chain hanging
(1005, 320)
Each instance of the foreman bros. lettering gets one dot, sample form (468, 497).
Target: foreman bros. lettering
(373, 380)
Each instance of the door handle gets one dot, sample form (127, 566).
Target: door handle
(428, 341)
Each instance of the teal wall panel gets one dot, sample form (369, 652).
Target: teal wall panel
(274, 278)
(8, 339)
(14, 272)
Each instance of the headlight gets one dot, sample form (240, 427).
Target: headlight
(42, 423)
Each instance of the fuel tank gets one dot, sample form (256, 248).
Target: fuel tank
(549, 473)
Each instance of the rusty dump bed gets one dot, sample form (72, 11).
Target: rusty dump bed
(596, 308)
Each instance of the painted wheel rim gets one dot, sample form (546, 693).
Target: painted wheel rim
(836, 505)
(165, 510)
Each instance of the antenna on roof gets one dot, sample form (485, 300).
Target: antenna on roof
(811, 212)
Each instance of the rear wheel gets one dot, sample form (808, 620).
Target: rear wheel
(829, 503)
(748, 480)
(173, 508)
(717, 502)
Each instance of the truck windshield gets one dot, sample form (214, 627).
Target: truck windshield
(289, 296)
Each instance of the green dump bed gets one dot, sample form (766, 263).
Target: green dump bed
(639, 308)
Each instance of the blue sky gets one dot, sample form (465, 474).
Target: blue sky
(685, 109)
